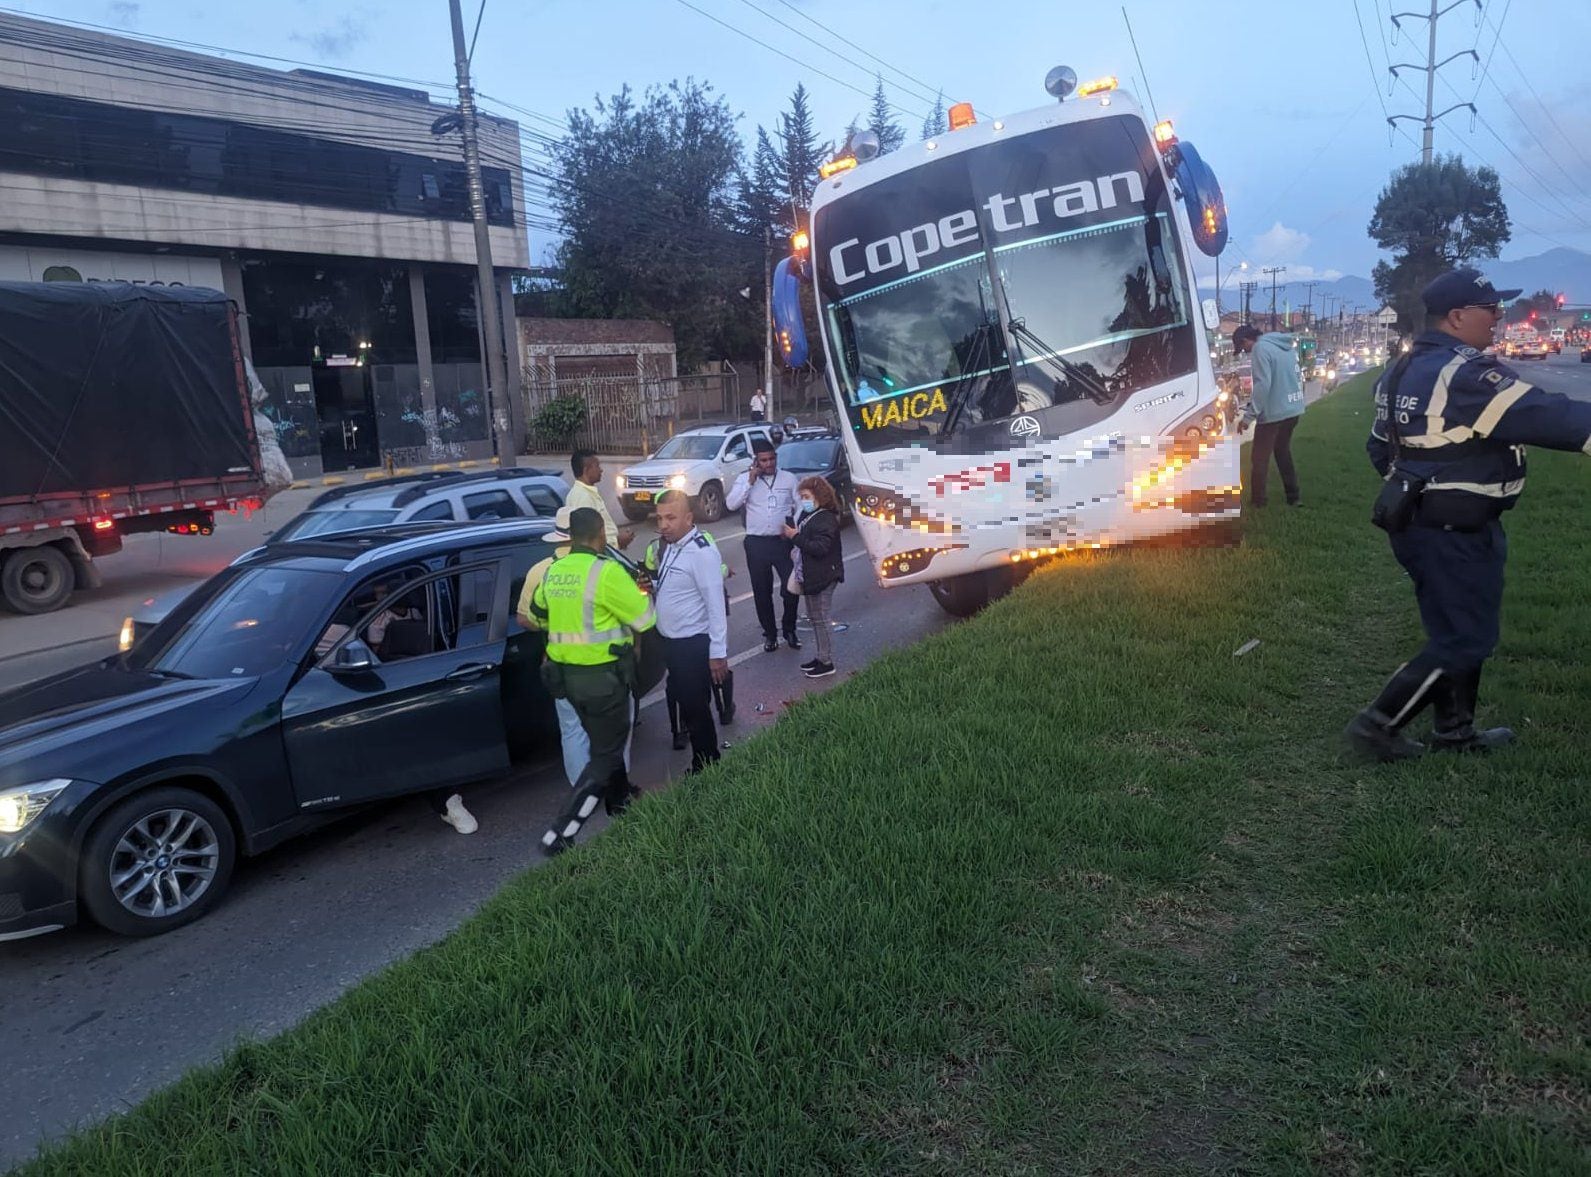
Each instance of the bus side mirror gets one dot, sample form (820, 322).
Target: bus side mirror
(1212, 315)
(1201, 196)
(789, 327)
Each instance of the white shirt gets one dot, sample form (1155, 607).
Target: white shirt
(583, 494)
(759, 403)
(689, 587)
(768, 501)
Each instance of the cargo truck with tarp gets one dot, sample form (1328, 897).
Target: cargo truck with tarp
(123, 409)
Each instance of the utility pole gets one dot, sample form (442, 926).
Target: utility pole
(1429, 70)
(1309, 303)
(1273, 271)
(767, 324)
(491, 313)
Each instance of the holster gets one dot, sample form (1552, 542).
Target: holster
(1398, 501)
(625, 666)
(552, 679)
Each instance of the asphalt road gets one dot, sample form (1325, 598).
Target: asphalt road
(96, 1022)
(1563, 373)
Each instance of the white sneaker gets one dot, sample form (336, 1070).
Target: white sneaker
(458, 817)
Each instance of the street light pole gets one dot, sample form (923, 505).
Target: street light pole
(491, 313)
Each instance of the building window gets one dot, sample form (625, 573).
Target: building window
(450, 315)
(333, 305)
(51, 135)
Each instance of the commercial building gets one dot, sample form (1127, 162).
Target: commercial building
(327, 207)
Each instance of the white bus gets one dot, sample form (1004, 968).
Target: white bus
(1014, 340)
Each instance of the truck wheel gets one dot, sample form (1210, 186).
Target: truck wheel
(634, 512)
(710, 503)
(158, 860)
(37, 580)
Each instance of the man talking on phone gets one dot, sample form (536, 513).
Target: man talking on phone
(769, 495)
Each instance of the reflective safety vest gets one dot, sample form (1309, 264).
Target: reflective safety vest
(654, 549)
(588, 605)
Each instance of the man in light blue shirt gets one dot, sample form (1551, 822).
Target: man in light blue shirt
(769, 496)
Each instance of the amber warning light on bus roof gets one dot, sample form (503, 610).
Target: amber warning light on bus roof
(961, 115)
(843, 164)
(1165, 136)
(799, 241)
(1097, 86)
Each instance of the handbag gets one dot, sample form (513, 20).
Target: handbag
(792, 585)
(1399, 497)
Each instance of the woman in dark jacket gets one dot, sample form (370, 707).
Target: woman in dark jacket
(815, 530)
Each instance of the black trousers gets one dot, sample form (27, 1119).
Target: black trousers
(690, 682)
(1458, 582)
(768, 560)
(601, 697)
(1273, 437)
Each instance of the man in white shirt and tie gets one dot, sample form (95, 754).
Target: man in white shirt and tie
(769, 496)
(688, 590)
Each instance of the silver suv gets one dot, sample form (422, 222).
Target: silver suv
(703, 462)
(436, 495)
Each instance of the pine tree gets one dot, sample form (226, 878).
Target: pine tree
(881, 121)
(800, 156)
(936, 123)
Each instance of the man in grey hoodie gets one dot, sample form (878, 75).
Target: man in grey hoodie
(1278, 400)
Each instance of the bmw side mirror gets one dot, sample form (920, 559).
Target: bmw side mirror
(352, 657)
(1212, 316)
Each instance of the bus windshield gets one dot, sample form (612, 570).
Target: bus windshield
(1059, 300)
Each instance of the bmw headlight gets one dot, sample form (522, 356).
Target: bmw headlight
(18, 807)
(677, 482)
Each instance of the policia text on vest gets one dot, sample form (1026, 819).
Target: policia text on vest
(1451, 428)
(591, 610)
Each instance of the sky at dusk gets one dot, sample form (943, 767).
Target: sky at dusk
(1282, 99)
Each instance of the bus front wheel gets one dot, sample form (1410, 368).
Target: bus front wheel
(962, 596)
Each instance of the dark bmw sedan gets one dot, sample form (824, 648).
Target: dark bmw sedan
(304, 679)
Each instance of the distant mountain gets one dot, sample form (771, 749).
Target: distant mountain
(1560, 270)
(1347, 291)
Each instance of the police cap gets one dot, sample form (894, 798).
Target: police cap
(1463, 287)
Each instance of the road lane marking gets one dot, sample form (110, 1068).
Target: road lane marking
(748, 596)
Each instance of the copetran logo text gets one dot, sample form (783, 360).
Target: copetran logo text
(851, 260)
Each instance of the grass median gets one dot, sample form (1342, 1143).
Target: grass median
(1068, 888)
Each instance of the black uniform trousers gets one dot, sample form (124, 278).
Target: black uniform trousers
(690, 682)
(767, 560)
(1458, 582)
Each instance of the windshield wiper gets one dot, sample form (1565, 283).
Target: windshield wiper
(159, 672)
(1096, 391)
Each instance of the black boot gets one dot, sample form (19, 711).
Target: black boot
(1376, 731)
(676, 723)
(1454, 700)
(724, 699)
(619, 794)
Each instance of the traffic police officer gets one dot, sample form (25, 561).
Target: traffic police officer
(688, 581)
(592, 610)
(723, 689)
(1449, 438)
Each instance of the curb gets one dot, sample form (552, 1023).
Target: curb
(395, 472)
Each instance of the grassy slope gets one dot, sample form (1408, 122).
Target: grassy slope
(1068, 888)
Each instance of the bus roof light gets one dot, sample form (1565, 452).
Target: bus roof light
(1097, 86)
(1165, 136)
(799, 241)
(843, 164)
(962, 115)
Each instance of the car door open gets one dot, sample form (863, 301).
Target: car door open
(417, 706)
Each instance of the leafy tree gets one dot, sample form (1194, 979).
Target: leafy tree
(881, 121)
(937, 122)
(646, 199)
(1542, 303)
(1431, 218)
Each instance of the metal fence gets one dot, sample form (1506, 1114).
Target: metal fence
(628, 414)
(631, 415)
